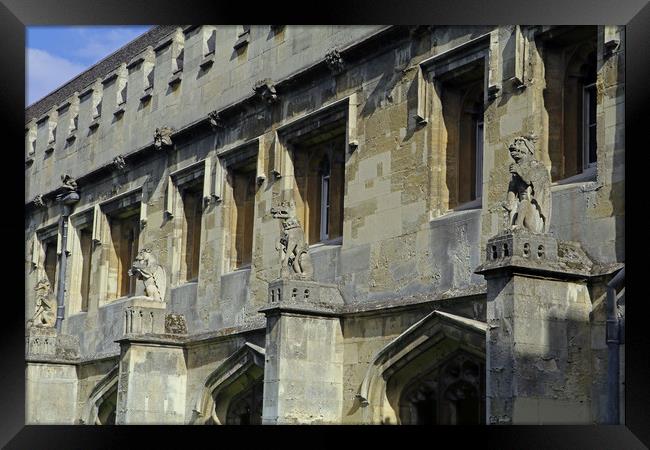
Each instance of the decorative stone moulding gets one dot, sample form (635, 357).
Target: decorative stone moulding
(266, 91)
(334, 62)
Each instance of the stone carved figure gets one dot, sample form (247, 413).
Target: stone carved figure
(68, 189)
(529, 192)
(69, 184)
(146, 268)
(162, 137)
(334, 61)
(296, 262)
(215, 120)
(119, 163)
(266, 91)
(45, 313)
(38, 201)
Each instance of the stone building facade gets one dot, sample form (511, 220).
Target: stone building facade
(311, 224)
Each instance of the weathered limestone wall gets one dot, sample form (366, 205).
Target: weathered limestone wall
(51, 393)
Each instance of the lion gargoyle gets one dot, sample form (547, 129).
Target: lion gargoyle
(45, 313)
(294, 251)
(146, 268)
(529, 191)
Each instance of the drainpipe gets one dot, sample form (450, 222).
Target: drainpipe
(67, 201)
(613, 342)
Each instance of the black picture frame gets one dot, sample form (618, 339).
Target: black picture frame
(16, 14)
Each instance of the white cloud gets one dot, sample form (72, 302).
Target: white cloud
(100, 42)
(46, 72)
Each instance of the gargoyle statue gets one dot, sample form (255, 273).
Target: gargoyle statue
(294, 254)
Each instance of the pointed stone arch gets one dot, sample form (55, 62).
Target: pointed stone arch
(239, 375)
(429, 343)
(100, 409)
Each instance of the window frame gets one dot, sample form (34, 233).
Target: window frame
(197, 174)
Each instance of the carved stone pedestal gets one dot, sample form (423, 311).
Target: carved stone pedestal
(142, 315)
(152, 370)
(51, 376)
(538, 332)
(304, 354)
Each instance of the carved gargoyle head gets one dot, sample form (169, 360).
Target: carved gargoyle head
(144, 263)
(68, 183)
(266, 90)
(522, 147)
(163, 137)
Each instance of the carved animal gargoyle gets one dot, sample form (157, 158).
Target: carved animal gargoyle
(163, 137)
(334, 61)
(68, 188)
(294, 251)
(529, 192)
(266, 91)
(146, 268)
(45, 312)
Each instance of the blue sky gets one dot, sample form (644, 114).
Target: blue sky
(54, 55)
